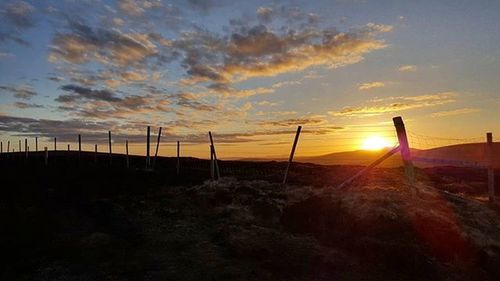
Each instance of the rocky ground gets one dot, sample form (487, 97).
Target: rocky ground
(96, 223)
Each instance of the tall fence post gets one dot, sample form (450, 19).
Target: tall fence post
(69, 147)
(178, 166)
(148, 160)
(20, 147)
(26, 147)
(1, 147)
(95, 153)
(79, 146)
(110, 148)
(126, 152)
(36, 144)
(212, 165)
(216, 164)
(8, 146)
(55, 144)
(157, 147)
(292, 153)
(46, 156)
(491, 167)
(405, 152)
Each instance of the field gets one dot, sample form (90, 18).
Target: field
(80, 220)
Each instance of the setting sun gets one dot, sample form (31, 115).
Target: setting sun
(375, 143)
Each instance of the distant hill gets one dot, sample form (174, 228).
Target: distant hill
(472, 152)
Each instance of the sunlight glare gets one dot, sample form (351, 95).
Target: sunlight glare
(375, 143)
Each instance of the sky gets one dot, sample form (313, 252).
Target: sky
(249, 71)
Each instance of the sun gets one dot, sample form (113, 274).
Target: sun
(375, 143)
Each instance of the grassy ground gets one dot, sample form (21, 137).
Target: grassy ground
(95, 222)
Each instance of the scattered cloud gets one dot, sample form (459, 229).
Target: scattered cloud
(408, 68)
(371, 85)
(396, 104)
(19, 14)
(83, 93)
(24, 105)
(454, 112)
(21, 92)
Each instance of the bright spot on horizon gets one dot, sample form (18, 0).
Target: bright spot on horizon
(375, 143)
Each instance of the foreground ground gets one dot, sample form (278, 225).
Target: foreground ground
(95, 222)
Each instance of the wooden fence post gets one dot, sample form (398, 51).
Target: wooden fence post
(212, 165)
(126, 152)
(491, 168)
(157, 147)
(26, 147)
(216, 164)
(292, 153)
(8, 146)
(110, 148)
(55, 144)
(405, 152)
(46, 156)
(79, 146)
(69, 147)
(178, 159)
(95, 153)
(20, 147)
(36, 144)
(148, 160)
(1, 147)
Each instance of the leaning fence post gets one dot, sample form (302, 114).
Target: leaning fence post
(46, 156)
(157, 146)
(110, 149)
(216, 164)
(491, 168)
(292, 152)
(212, 166)
(405, 152)
(148, 160)
(126, 153)
(178, 159)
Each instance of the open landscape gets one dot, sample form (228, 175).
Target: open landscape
(80, 220)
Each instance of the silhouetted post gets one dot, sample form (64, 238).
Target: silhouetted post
(178, 157)
(292, 153)
(405, 152)
(79, 146)
(157, 147)
(46, 156)
(1, 147)
(20, 147)
(26, 147)
(95, 153)
(212, 166)
(216, 164)
(126, 152)
(55, 144)
(148, 161)
(69, 147)
(110, 149)
(8, 146)
(491, 167)
(36, 144)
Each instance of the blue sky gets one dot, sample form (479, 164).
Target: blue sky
(250, 71)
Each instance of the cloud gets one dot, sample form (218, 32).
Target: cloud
(454, 112)
(264, 14)
(24, 105)
(371, 85)
(84, 44)
(306, 120)
(408, 68)
(397, 104)
(6, 55)
(79, 93)
(137, 7)
(21, 92)
(19, 14)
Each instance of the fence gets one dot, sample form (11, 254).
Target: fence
(414, 150)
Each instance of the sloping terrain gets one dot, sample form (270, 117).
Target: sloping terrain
(87, 222)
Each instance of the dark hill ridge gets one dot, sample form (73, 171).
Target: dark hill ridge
(472, 152)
